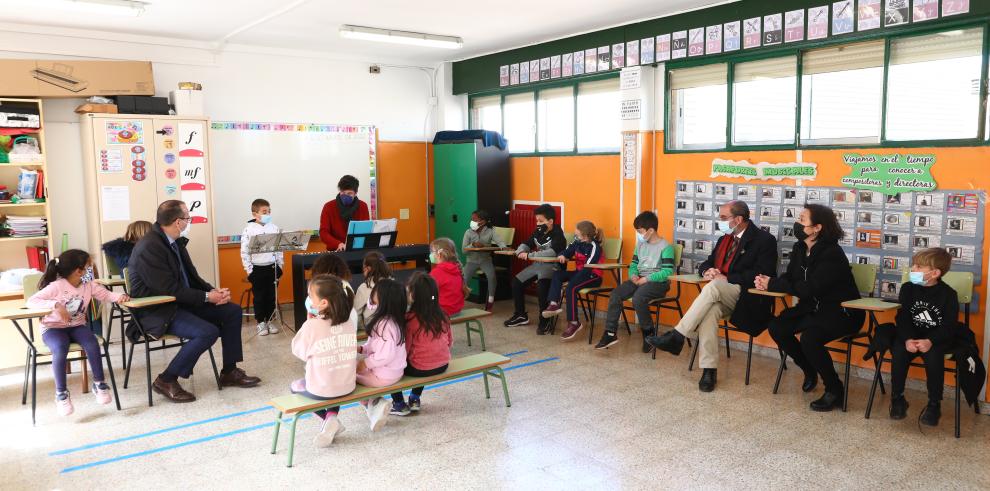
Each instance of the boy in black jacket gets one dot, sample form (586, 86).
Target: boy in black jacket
(547, 241)
(926, 324)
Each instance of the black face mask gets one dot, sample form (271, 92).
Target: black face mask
(542, 229)
(799, 233)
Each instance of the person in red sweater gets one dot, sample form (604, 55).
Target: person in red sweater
(338, 213)
(447, 271)
(428, 339)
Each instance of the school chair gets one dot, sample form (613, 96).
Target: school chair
(167, 340)
(247, 300)
(588, 297)
(670, 302)
(962, 283)
(115, 278)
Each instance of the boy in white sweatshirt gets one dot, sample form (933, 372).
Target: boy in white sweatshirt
(262, 269)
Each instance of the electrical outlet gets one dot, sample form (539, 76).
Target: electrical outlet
(404, 214)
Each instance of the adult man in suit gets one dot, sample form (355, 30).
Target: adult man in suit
(742, 253)
(160, 265)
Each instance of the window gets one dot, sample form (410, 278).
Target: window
(555, 113)
(598, 124)
(933, 86)
(486, 113)
(842, 94)
(519, 119)
(763, 100)
(698, 105)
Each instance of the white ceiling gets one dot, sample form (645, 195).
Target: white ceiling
(312, 25)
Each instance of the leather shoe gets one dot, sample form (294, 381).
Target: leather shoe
(827, 402)
(172, 390)
(647, 334)
(237, 378)
(810, 382)
(707, 382)
(671, 341)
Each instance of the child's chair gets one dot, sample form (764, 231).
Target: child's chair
(116, 279)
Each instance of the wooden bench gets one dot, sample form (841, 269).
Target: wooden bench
(469, 317)
(296, 405)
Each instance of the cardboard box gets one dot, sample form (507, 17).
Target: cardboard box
(64, 78)
(187, 102)
(97, 108)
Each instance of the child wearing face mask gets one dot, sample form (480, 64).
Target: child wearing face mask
(67, 288)
(547, 241)
(586, 249)
(481, 234)
(374, 268)
(262, 269)
(446, 270)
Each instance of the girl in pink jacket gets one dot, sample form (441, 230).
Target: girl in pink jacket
(67, 288)
(384, 355)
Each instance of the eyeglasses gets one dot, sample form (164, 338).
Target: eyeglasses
(185, 218)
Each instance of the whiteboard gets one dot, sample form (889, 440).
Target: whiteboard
(294, 166)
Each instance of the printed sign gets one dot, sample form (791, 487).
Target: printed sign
(842, 17)
(678, 45)
(503, 76)
(868, 15)
(125, 132)
(890, 174)
(111, 161)
(924, 10)
(192, 180)
(896, 12)
(646, 50)
(713, 39)
(663, 47)
(696, 41)
(764, 170)
(773, 29)
(732, 35)
(631, 109)
(818, 22)
(794, 26)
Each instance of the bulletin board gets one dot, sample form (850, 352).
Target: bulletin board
(885, 230)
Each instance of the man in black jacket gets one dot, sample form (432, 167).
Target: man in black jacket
(742, 253)
(160, 265)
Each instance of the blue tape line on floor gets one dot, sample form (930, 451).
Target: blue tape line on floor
(226, 434)
(182, 426)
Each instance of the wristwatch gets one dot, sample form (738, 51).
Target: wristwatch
(207, 300)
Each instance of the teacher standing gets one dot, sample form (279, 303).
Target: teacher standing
(338, 213)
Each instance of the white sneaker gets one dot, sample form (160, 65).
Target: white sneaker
(272, 328)
(262, 328)
(378, 413)
(331, 428)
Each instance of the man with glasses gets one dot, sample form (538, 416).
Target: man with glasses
(160, 265)
(742, 253)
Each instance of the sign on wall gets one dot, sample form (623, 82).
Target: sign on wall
(890, 174)
(764, 171)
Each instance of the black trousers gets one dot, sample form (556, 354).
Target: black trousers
(519, 290)
(817, 329)
(262, 280)
(415, 372)
(934, 370)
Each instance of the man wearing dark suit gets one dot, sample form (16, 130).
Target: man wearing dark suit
(160, 265)
(742, 253)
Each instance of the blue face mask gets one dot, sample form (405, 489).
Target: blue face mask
(310, 308)
(640, 237)
(346, 199)
(917, 277)
(724, 227)
(266, 219)
(87, 276)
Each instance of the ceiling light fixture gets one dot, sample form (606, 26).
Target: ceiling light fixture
(400, 37)
(131, 8)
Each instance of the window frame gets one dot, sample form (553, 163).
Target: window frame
(679, 128)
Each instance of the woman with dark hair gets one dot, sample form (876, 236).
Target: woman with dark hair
(820, 277)
(338, 213)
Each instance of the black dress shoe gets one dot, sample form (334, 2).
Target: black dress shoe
(647, 334)
(931, 414)
(707, 382)
(827, 402)
(898, 407)
(810, 382)
(671, 341)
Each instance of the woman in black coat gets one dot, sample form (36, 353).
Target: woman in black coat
(820, 277)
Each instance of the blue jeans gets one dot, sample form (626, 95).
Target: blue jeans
(58, 340)
(576, 281)
(200, 326)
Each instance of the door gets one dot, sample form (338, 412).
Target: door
(455, 184)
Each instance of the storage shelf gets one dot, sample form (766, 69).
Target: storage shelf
(37, 165)
(21, 205)
(22, 239)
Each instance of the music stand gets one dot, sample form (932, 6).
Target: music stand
(372, 240)
(275, 243)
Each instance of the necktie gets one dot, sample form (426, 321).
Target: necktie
(182, 267)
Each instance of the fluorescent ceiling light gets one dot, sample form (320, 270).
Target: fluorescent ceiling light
(131, 8)
(400, 37)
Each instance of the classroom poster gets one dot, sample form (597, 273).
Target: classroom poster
(534, 71)
(924, 10)
(555, 66)
(632, 53)
(590, 60)
(524, 72)
(732, 35)
(544, 68)
(961, 253)
(751, 33)
(125, 132)
(663, 47)
(603, 59)
(579, 62)
(646, 50)
(896, 12)
(618, 55)
(868, 15)
(503, 76)
(870, 238)
(696, 41)
(111, 161)
(954, 7)
(678, 45)
(514, 74)
(818, 22)
(567, 65)
(713, 39)
(773, 29)
(794, 26)
(842, 17)
(967, 203)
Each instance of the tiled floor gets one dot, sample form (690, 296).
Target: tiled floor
(580, 419)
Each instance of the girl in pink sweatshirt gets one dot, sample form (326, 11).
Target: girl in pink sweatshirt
(384, 355)
(66, 288)
(327, 342)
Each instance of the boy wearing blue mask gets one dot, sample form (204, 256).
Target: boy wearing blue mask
(926, 324)
(262, 269)
(652, 263)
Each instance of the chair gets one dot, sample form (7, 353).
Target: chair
(247, 300)
(506, 235)
(865, 276)
(116, 312)
(962, 283)
(167, 341)
(588, 297)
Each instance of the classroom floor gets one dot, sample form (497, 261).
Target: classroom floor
(580, 419)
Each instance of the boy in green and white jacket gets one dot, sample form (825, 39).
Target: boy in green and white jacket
(652, 264)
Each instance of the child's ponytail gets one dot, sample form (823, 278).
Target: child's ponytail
(589, 230)
(63, 266)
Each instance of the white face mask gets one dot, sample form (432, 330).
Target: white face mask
(185, 232)
(475, 225)
(724, 227)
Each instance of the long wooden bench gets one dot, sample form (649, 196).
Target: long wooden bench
(295, 405)
(469, 317)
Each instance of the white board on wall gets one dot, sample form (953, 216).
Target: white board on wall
(294, 166)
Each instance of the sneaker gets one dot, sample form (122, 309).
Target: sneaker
(517, 320)
(331, 428)
(378, 413)
(552, 310)
(608, 339)
(898, 408)
(572, 329)
(272, 328)
(414, 404)
(102, 392)
(932, 413)
(262, 328)
(489, 305)
(399, 409)
(546, 327)
(64, 403)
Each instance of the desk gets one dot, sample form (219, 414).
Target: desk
(11, 295)
(420, 253)
(138, 303)
(14, 314)
(614, 268)
(693, 279)
(485, 249)
(766, 293)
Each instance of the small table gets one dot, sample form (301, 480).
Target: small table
(695, 279)
(614, 268)
(485, 249)
(110, 283)
(14, 314)
(766, 293)
(11, 295)
(139, 303)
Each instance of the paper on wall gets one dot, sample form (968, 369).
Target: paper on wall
(116, 202)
